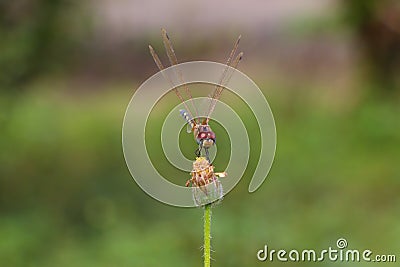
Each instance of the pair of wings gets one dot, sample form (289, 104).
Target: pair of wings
(232, 62)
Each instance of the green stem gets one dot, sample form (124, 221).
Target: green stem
(207, 235)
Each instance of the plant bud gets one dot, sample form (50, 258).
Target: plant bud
(205, 184)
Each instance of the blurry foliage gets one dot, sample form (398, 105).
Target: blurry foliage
(35, 37)
(43, 36)
(376, 26)
(67, 199)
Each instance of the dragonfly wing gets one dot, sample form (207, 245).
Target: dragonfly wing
(226, 75)
(161, 68)
(174, 61)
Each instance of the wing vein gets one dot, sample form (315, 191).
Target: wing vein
(161, 68)
(174, 61)
(225, 77)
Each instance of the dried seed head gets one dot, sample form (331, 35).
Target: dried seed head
(205, 184)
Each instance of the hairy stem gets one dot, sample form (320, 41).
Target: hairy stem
(207, 235)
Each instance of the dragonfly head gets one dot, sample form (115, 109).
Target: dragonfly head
(205, 136)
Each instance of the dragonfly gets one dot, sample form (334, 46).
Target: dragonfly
(202, 132)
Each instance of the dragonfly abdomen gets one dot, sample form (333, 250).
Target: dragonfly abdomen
(187, 117)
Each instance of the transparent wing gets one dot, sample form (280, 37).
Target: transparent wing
(204, 104)
(231, 64)
(174, 61)
(161, 68)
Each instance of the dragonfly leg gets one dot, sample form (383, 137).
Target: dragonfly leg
(207, 154)
(198, 151)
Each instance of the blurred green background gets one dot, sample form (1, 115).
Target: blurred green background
(329, 69)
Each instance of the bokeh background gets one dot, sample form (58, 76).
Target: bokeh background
(329, 69)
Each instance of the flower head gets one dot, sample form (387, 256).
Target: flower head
(205, 183)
